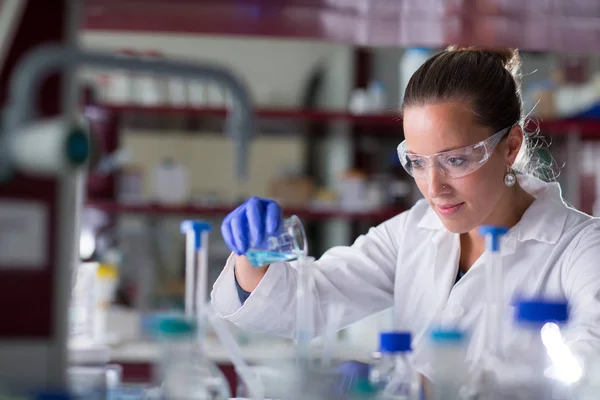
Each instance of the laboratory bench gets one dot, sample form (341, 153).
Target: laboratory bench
(137, 355)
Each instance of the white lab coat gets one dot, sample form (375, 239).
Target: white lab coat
(410, 262)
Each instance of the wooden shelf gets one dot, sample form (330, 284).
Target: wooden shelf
(304, 213)
(586, 128)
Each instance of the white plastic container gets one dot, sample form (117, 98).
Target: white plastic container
(171, 185)
(116, 86)
(149, 89)
(448, 354)
(197, 94)
(410, 61)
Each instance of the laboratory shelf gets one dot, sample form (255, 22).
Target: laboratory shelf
(112, 207)
(387, 119)
(585, 128)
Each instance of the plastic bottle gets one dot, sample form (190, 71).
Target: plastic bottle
(448, 354)
(410, 61)
(184, 371)
(393, 376)
(540, 366)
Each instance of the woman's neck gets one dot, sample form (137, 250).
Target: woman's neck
(509, 212)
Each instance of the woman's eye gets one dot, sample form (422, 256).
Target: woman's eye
(416, 163)
(455, 161)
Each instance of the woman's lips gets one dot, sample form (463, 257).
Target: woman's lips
(449, 209)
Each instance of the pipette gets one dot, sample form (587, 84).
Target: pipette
(242, 368)
(335, 313)
(304, 309)
(196, 266)
(494, 287)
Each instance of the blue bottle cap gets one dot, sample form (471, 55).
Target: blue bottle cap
(174, 326)
(493, 233)
(447, 336)
(542, 311)
(195, 227)
(77, 147)
(394, 342)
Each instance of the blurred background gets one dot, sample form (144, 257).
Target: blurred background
(327, 78)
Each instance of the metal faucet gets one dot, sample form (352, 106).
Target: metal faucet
(26, 77)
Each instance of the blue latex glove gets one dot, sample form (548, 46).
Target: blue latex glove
(350, 373)
(251, 224)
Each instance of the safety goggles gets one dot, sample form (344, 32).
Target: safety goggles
(453, 163)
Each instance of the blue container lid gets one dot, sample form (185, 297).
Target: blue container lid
(197, 227)
(542, 311)
(394, 342)
(447, 336)
(494, 232)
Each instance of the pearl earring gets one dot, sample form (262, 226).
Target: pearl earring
(510, 178)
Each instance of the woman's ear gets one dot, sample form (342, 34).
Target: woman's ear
(514, 142)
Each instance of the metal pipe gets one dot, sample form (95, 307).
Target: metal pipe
(28, 73)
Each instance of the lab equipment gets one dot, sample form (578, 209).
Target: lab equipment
(285, 245)
(305, 295)
(410, 62)
(248, 376)
(261, 216)
(54, 204)
(335, 313)
(184, 371)
(454, 163)
(448, 354)
(393, 376)
(494, 288)
(106, 286)
(540, 366)
(196, 267)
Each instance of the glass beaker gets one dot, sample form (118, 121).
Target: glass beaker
(285, 245)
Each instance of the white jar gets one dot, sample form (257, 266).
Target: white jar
(410, 62)
(171, 183)
(117, 85)
(149, 89)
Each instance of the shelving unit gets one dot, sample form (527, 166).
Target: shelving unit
(585, 128)
(304, 213)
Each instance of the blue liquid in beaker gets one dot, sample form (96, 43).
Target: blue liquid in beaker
(264, 257)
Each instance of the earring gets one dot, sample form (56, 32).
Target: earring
(510, 178)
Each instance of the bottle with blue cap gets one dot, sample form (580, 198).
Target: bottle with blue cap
(539, 364)
(449, 369)
(394, 376)
(494, 288)
(183, 370)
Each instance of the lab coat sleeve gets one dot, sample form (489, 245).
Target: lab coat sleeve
(582, 287)
(361, 277)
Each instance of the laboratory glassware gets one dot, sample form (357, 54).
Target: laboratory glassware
(286, 245)
(494, 288)
(448, 354)
(184, 371)
(540, 365)
(393, 375)
(305, 299)
(196, 267)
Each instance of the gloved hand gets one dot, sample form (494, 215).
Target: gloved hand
(351, 374)
(250, 224)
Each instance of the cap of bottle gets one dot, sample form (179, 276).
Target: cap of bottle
(492, 236)
(394, 342)
(542, 311)
(447, 336)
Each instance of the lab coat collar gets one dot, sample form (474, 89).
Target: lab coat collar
(543, 221)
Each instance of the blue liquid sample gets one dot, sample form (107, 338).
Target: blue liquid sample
(264, 257)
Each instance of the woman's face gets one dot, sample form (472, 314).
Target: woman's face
(461, 203)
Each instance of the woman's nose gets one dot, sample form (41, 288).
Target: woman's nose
(436, 181)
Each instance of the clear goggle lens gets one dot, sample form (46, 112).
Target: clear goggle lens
(454, 163)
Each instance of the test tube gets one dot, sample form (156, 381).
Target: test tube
(494, 287)
(304, 308)
(196, 266)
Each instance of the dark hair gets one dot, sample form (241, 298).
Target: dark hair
(487, 81)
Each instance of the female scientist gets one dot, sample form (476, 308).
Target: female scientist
(466, 149)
